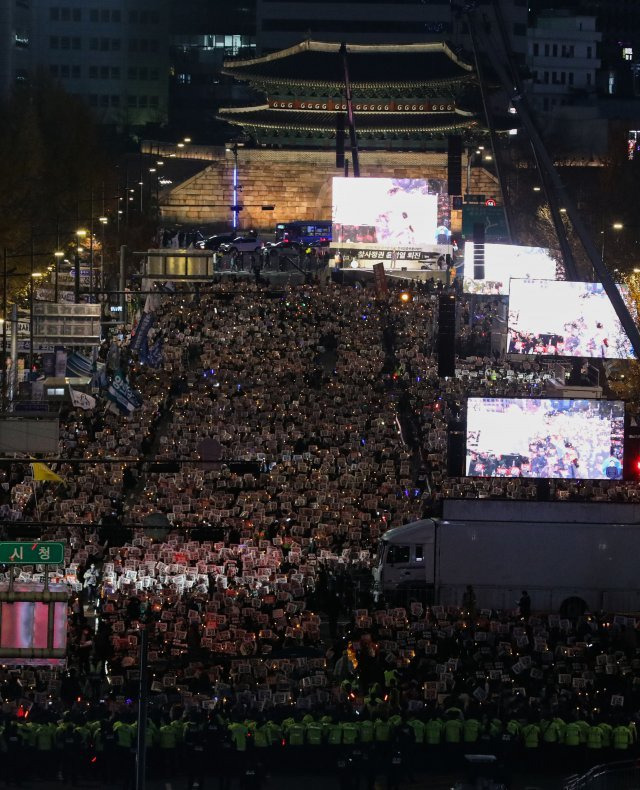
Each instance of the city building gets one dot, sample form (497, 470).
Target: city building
(562, 56)
(283, 23)
(15, 43)
(114, 54)
(202, 37)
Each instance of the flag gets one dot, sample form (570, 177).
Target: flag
(42, 472)
(123, 394)
(155, 354)
(81, 400)
(142, 330)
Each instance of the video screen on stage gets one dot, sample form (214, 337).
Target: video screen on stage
(504, 261)
(391, 212)
(565, 319)
(545, 438)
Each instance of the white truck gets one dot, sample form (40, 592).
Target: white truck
(570, 557)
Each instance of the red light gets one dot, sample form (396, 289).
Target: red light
(94, 759)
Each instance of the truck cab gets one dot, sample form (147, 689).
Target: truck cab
(406, 558)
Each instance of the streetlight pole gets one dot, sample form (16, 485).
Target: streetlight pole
(4, 330)
(31, 279)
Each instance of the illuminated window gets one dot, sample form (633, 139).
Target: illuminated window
(627, 53)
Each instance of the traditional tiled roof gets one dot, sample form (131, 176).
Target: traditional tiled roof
(317, 121)
(317, 63)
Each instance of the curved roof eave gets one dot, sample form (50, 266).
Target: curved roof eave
(309, 45)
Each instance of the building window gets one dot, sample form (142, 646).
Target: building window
(77, 15)
(132, 73)
(627, 53)
(153, 102)
(65, 14)
(142, 102)
(64, 72)
(54, 14)
(153, 75)
(563, 77)
(65, 42)
(104, 45)
(133, 19)
(546, 50)
(93, 15)
(75, 72)
(570, 78)
(104, 72)
(546, 78)
(115, 101)
(131, 101)
(115, 44)
(76, 43)
(53, 70)
(133, 45)
(93, 100)
(555, 50)
(54, 42)
(184, 79)
(144, 73)
(93, 72)
(104, 100)
(105, 15)
(94, 43)
(536, 49)
(115, 17)
(611, 83)
(589, 50)
(115, 72)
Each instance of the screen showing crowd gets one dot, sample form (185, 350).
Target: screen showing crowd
(565, 319)
(393, 212)
(545, 438)
(501, 262)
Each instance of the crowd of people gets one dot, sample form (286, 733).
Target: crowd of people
(235, 516)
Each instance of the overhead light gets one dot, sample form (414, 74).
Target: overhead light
(536, 189)
(617, 226)
(513, 132)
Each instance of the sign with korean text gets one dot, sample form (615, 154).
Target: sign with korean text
(32, 553)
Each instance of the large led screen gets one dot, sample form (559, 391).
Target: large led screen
(573, 439)
(504, 261)
(565, 319)
(391, 212)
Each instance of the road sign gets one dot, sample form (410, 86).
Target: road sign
(490, 202)
(28, 553)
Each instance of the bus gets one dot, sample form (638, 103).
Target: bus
(304, 231)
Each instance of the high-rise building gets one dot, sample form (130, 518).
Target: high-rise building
(284, 23)
(114, 54)
(15, 43)
(563, 59)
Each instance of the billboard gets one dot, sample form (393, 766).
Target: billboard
(390, 212)
(565, 319)
(542, 438)
(505, 261)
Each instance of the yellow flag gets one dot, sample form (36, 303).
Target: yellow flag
(42, 472)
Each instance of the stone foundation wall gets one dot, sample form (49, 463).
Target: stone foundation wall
(296, 183)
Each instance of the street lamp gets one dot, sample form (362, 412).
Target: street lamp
(80, 233)
(614, 226)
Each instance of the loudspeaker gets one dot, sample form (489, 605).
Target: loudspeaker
(455, 451)
(340, 140)
(454, 165)
(478, 251)
(446, 342)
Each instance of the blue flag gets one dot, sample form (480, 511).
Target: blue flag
(146, 322)
(123, 394)
(155, 354)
